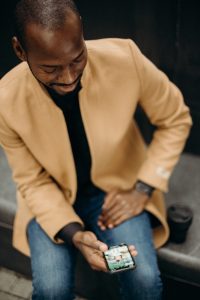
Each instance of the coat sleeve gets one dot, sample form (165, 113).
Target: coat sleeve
(163, 104)
(43, 196)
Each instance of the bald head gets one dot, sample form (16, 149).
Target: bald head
(48, 14)
(49, 37)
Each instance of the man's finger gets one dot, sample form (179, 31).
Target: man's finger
(111, 214)
(133, 250)
(110, 204)
(118, 216)
(91, 241)
(120, 220)
(101, 225)
(108, 198)
(98, 262)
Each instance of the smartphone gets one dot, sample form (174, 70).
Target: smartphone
(118, 258)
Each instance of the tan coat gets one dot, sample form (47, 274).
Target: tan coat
(34, 136)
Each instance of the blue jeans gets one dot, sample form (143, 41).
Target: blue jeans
(53, 264)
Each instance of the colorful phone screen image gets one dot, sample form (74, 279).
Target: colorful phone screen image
(118, 258)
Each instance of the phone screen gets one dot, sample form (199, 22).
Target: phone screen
(118, 258)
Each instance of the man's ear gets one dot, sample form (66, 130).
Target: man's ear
(19, 51)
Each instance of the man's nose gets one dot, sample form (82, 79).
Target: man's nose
(67, 76)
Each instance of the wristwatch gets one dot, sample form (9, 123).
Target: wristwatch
(144, 188)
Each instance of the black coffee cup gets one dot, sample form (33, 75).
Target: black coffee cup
(179, 218)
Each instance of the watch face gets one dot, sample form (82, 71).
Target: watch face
(143, 188)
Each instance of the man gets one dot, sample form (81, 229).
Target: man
(84, 177)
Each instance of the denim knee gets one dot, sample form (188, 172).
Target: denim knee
(53, 292)
(141, 284)
(148, 278)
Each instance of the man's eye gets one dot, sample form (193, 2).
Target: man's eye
(77, 61)
(50, 70)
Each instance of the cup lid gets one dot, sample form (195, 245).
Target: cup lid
(180, 213)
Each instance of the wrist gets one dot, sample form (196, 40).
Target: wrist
(143, 188)
(67, 232)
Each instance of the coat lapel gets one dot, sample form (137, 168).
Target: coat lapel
(49, 139)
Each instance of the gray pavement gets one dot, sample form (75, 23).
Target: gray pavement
(14, 286)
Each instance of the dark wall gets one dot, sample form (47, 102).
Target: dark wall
(168, 32)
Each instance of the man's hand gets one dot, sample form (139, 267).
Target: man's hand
(121, 206)
(92, 249)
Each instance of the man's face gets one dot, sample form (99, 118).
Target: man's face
(57, 58)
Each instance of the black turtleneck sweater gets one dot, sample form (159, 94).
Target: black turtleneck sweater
(69, 104)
